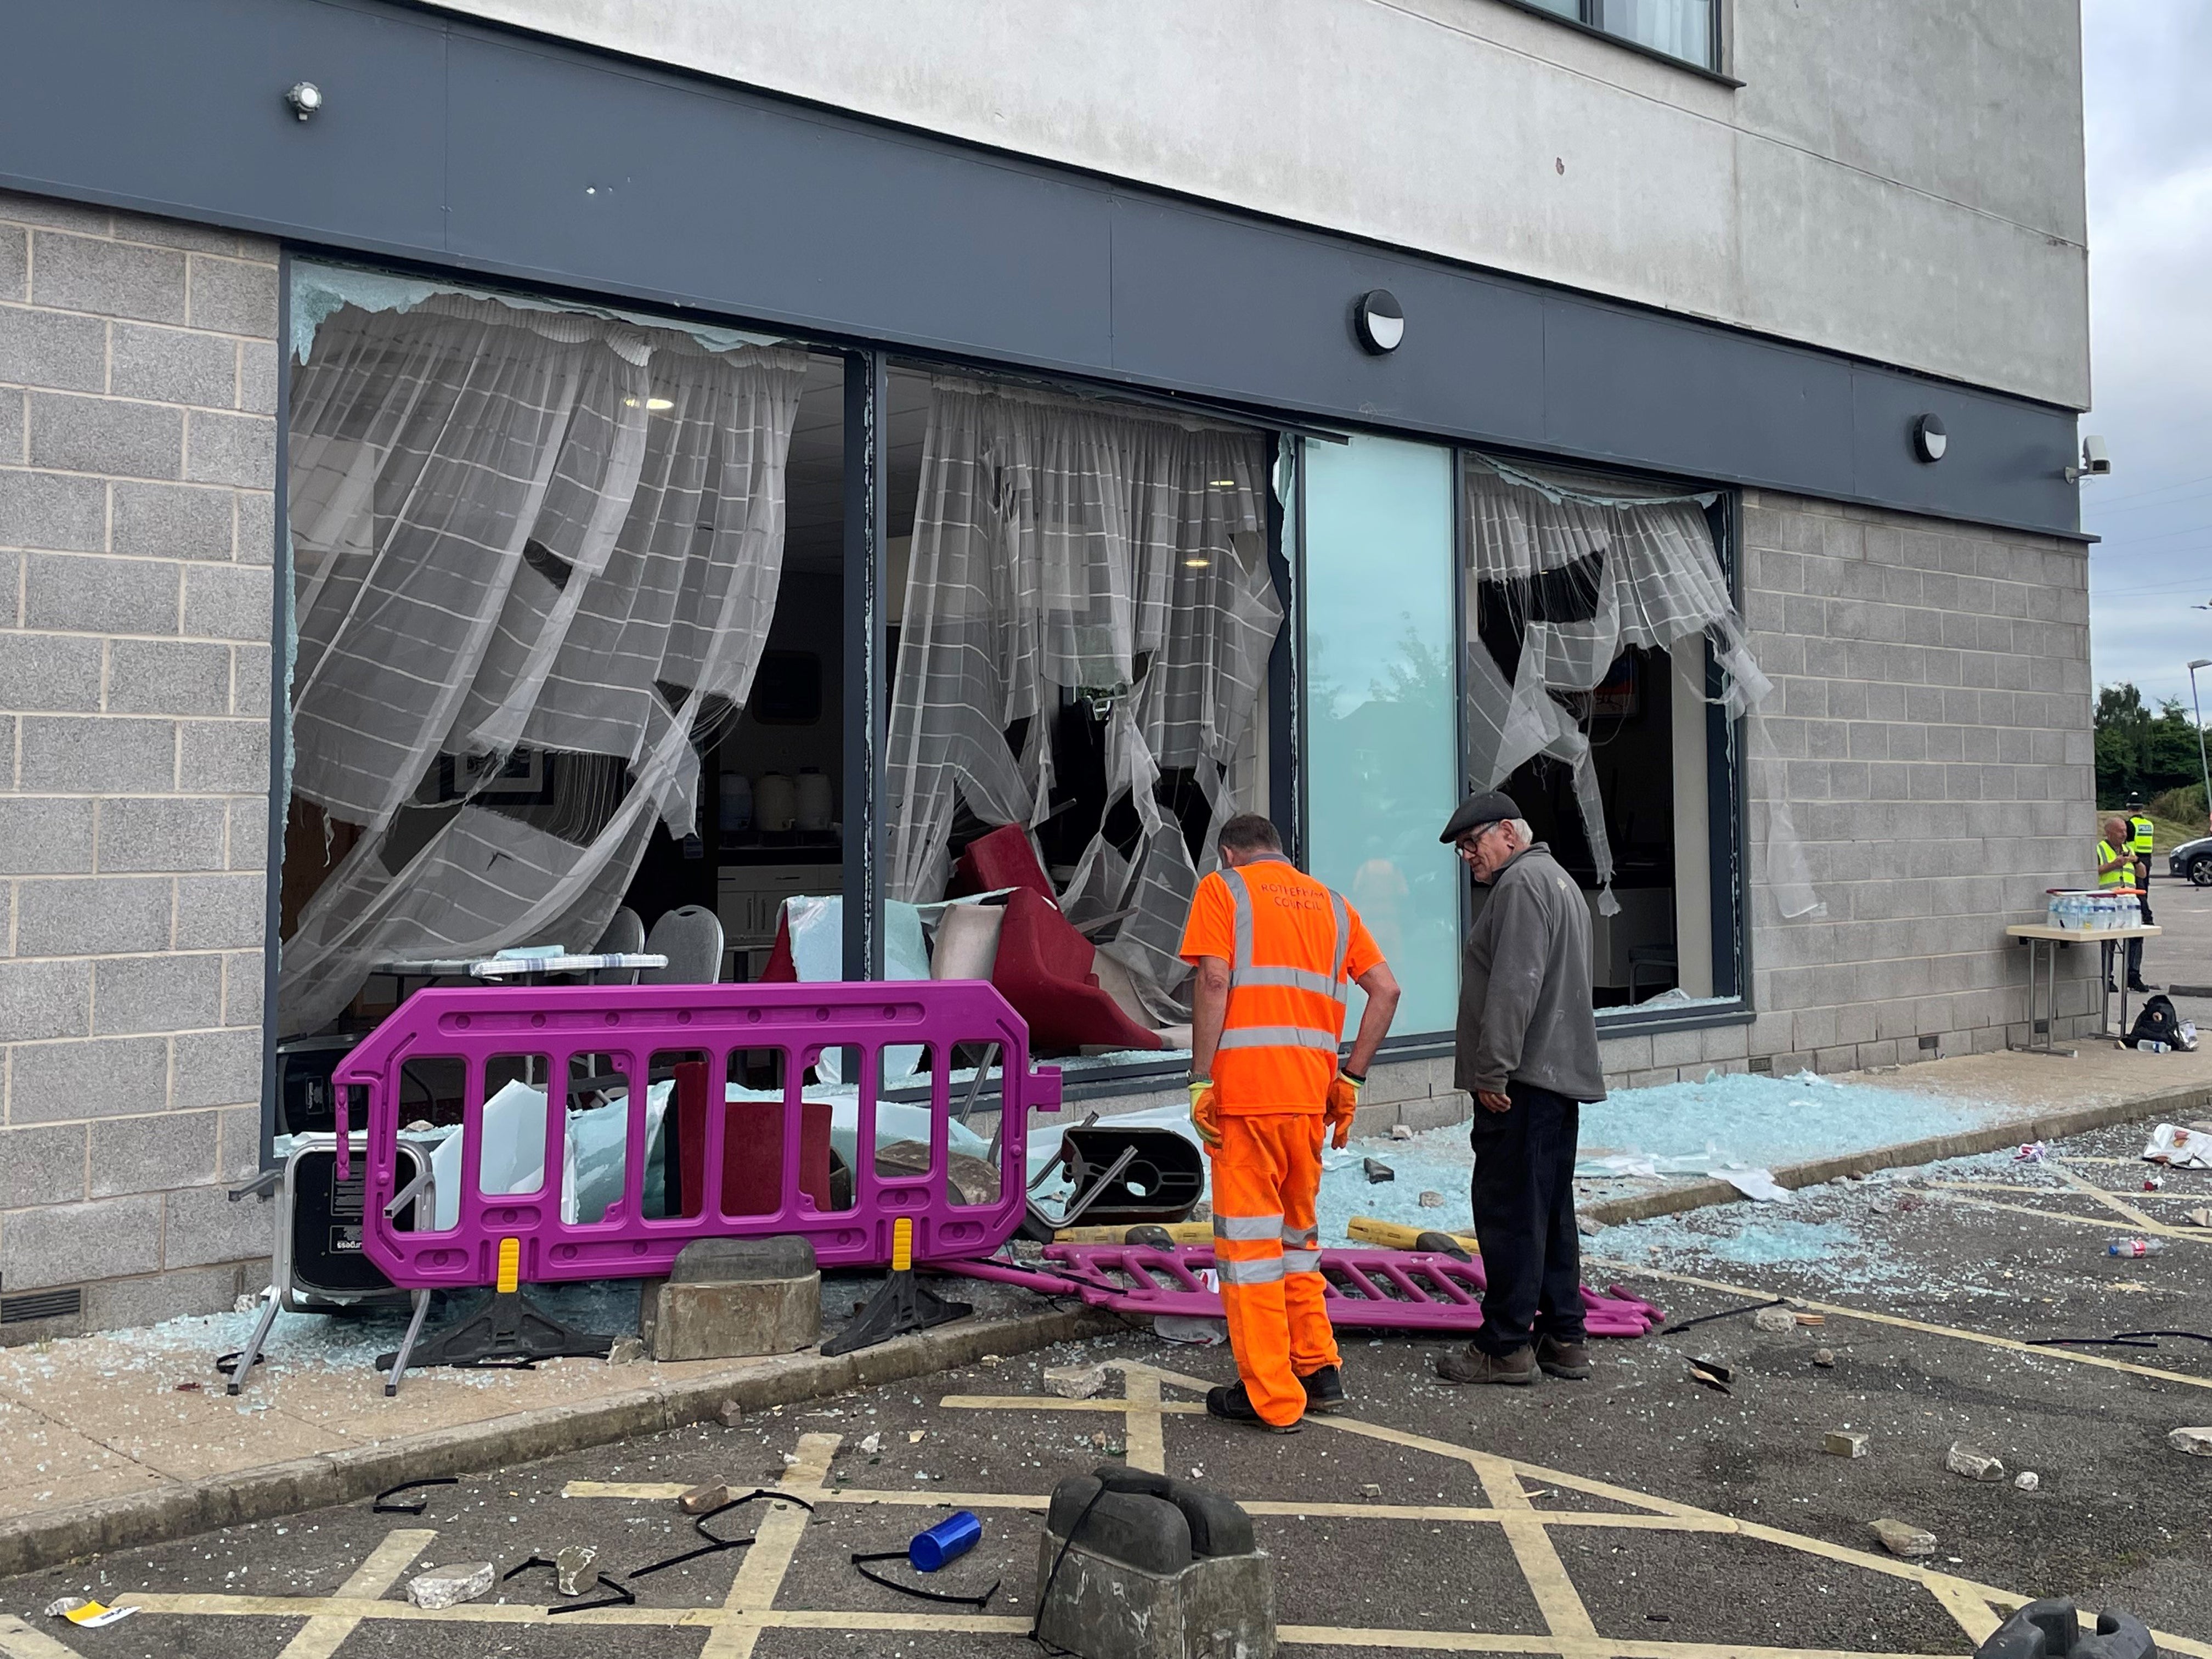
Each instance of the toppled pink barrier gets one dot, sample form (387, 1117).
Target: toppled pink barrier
(1377, 1290)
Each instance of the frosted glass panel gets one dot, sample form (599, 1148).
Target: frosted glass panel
(1681, 29)
(1382, 767)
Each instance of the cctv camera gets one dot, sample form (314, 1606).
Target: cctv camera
(2096, 460)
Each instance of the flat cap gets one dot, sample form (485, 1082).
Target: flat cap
(1477, 812)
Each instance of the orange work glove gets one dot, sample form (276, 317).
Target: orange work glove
(1205, 1112)
(1343, 1105)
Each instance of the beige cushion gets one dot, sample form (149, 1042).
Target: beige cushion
(967, 944)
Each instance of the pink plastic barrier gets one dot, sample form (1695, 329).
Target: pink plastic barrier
(1380, 1290)
(436, 1056)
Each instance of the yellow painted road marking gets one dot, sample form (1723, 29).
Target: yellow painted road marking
(1024, 1402)
(1145, 1435)
(2111, 1201)
(1975, 1615)
(1567, 1647)
(760, 1575)
(1837, 1310)
(20, 1641)
(2102, 1224)
(318, 1639)
(1557, 1600)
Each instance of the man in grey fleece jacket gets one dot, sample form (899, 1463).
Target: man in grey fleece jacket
(1527, 1050)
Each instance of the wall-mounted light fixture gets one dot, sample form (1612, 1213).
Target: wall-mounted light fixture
(1380, 319)
(1929, 440)
(305, 98)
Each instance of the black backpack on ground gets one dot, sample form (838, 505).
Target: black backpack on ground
(2157, 1023)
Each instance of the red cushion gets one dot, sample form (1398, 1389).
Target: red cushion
(1044, 968)
(779, 968)
(752, 1150)
(1002, 858)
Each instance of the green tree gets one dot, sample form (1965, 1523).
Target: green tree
(2139, 752)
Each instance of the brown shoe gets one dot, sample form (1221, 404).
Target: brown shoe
(1473, 1364)
(1569, 1360)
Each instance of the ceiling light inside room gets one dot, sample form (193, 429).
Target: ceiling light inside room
(1199, 562)
(655, 404)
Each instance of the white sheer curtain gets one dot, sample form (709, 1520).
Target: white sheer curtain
(1061, 548)
(1586, 567)
(513, 528)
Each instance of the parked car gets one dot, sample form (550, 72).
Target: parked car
(2192, 859)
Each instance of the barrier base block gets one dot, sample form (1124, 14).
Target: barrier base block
(902, 1303)
(508, 1329)
(1101, 1608)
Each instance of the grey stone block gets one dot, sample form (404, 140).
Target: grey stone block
(56, 1082)
(154, 1154)
(250, 689)
(40, 671)
(256, 377)
(43, 1000)
(203, 1226)
(73, 752)
(54, 214)
(730, 1319)
(68, 1243)
(175, 233)
(110, 279)
(233, 296)
(54, 350)
(46, 837)
(99, 915)
(42, 1166)
(228, 602)
(232, 449)
(157, 994)
(49, 510)
(170, 677)
(174, 835)
(217, 912)
(15, 405)
(218, 1069)
(107, 434)
(245, 977)
(249, 834)
(14, 262)
(77, 593)
(257, 527)
(229, 756)
(241, 1142)
(124, 1304)
(173, 366)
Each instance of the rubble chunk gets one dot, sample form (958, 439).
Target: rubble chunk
(994, 1359)
(1973, 1462)
(1824, 1356)
(572, 1568)
(1376, 1171)
(450, 1586)
(1074, 1382)
(1430, 1200)
(1901, 1540)
(2028, 1480)
(732, 1413)
(1777, 1319)
(1589, 1227)
(1812, 1321)
(2197, 1443)
(626, 1351)
(1372, 1492)
(1842, 1442)
(700, 1499)
(872, 1445)
(1401, 1132)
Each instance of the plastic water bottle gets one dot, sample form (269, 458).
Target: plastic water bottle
(2135, 1247)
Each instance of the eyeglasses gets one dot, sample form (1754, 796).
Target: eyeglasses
(1467, 844)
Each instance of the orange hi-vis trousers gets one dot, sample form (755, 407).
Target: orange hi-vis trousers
(1268, 1253)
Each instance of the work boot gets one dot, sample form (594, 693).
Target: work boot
(1324, 1390)
(2139, 988)
(1233, 1404)
(1569, 1360)
(1473, 1364)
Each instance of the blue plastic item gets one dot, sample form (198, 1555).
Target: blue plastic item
(948, 1539)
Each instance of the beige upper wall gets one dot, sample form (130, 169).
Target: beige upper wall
(1897, 179)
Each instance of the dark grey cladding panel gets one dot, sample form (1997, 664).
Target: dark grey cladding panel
(598, 177)
(178, 106)
(1224, 307)
(456, 144)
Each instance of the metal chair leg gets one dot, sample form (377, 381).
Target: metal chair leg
(252, 1352)
(407, 1343)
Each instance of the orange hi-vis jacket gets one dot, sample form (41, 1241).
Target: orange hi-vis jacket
(1293, 946)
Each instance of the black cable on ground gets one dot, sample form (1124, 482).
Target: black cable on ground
(383, 1506)
(1725, 1313)
(980, 1603)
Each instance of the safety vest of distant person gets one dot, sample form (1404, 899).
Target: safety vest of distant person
(2122, 877)
(2142, 834)
(1294, 947)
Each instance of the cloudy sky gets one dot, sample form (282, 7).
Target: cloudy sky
(2150, 305)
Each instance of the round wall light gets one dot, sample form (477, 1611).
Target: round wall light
(1929, 440)
(1380, 319)
(305, 97)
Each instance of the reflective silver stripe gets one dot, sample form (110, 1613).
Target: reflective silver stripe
(1298, 978)
(1246, 1229)
(1343, 940)
(1264, 1271)
(1280, 1036)
(1306, 1238)
(1241, 896)
(1301, 1261)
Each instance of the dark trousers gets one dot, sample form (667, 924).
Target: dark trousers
(1524, 1217)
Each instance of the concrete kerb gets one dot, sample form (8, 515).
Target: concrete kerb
(180, 1509)
(1908, 1154)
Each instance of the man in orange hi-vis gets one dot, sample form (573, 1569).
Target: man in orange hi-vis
(1275, 951)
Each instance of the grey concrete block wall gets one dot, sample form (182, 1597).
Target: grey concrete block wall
(1931, 729)
(137, 452)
